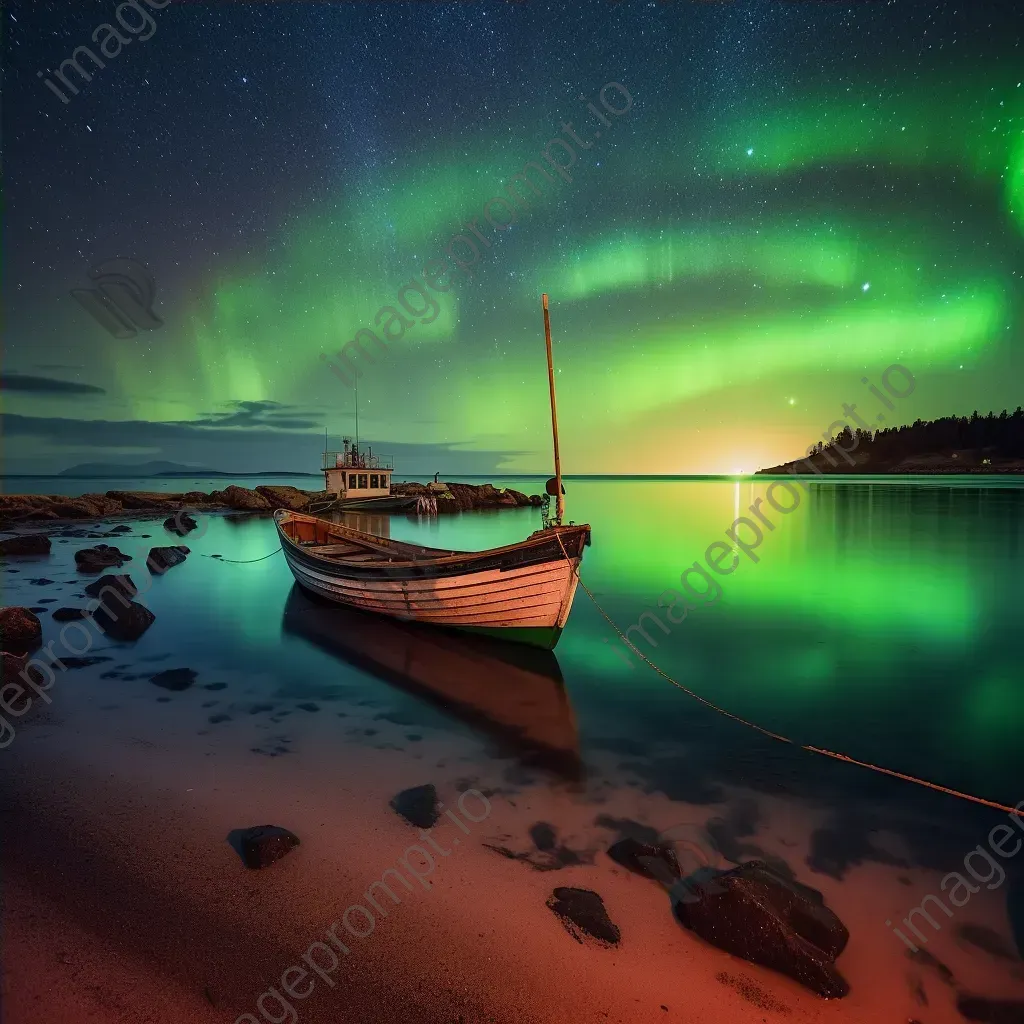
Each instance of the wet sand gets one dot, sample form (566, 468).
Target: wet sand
(125, 902)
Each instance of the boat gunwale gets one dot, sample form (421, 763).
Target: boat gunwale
(444, 556)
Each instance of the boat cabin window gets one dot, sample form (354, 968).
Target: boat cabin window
(362, 481)
(384, 480)
(373, 481)
(352, 480)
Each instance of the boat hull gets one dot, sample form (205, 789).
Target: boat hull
(521, 593)
(385, 503)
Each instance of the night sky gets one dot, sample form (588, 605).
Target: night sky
(795, 195)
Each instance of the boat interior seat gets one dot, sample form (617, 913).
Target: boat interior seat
(342, 549)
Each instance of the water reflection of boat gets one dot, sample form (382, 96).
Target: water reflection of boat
(364, 522)
(513, 693)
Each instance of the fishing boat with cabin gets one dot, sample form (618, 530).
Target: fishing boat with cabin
(359, 481)
(521, 592)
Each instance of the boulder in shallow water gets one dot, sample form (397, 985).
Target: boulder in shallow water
(128, 622)
(418, 806)
(180, 523)
(69, 661)
(263, 844)
(14, 668)
(244, 499)
(160, 560)
(68, 614)
(290, 498)
(174, 678)
(88, 506)
(20, 631)
(116, 582)
(101, 557)
(26, 544)
(582, 913)
(143, 499)
(650, 860)
(755, 914)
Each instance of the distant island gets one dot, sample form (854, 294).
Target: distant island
(953, 444)
(120, 471)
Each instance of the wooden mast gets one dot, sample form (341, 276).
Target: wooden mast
(559, 499)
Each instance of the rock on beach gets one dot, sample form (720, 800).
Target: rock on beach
(101, 557)
(26, 544)
(450, 497)
(128, 622)
(582, 913)
(417, 805)
(20, 630)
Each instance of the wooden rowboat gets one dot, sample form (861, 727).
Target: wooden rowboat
(521, 592)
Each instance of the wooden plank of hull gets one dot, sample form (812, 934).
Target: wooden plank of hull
(532, 596)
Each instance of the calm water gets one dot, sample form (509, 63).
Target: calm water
(881, 619)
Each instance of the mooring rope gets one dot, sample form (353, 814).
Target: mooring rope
(995, 805)
(244, 561)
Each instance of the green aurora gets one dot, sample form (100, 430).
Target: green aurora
(720, 280)
(836, 290)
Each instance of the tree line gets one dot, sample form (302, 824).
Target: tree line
(995, 435)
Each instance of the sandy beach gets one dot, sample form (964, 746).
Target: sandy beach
(125, 902)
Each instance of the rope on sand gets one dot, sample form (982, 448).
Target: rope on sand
(995, 805)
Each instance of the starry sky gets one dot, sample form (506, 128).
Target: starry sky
(795, 195)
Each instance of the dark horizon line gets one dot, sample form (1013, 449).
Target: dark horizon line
(764, 474)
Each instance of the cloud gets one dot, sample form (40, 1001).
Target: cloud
(240, 448)
(46, 385)
(62, 431)
(264, 413)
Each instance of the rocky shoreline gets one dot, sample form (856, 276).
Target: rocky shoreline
(918, 465)
(27, 508)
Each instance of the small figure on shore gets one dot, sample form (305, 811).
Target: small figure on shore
(436, 475)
